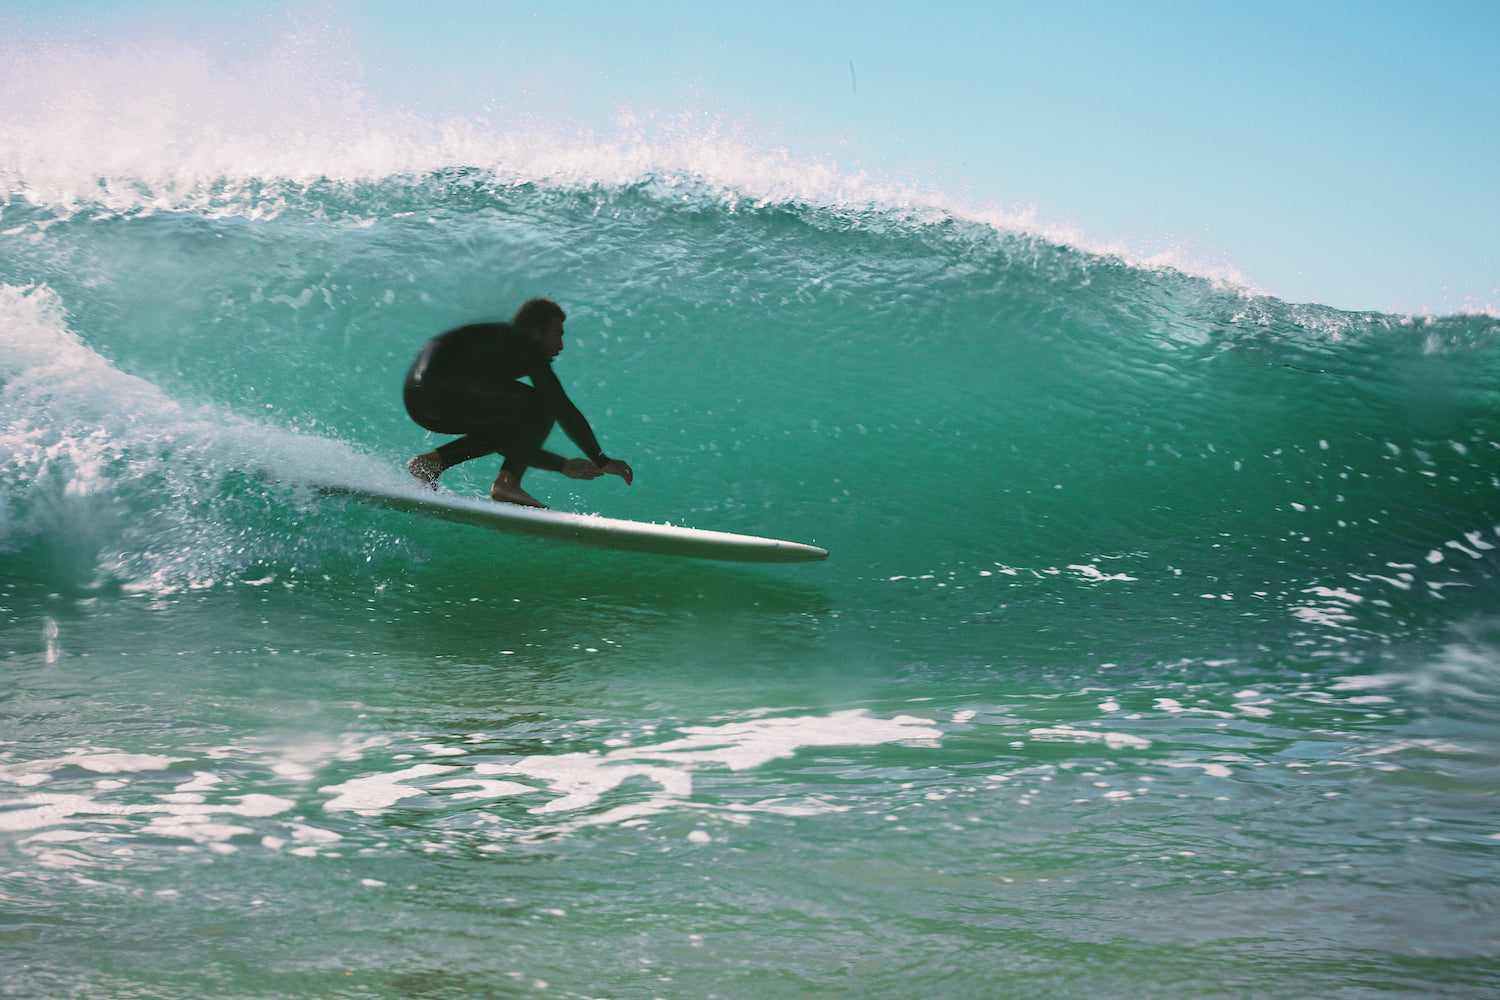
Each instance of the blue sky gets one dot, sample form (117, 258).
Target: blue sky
(1336, 152)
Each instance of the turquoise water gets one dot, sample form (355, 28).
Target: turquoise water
(1157, 653)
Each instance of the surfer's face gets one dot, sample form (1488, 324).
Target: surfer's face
(550, 338)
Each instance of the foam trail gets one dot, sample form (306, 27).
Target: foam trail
(79, 438)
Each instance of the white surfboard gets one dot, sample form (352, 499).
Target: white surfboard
(588, 529)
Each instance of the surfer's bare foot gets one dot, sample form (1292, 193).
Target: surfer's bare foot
(507, 490)
(426, 468)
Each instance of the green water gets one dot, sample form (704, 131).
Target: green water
(1156, 654)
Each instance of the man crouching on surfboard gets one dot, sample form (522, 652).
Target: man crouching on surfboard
(467, 381)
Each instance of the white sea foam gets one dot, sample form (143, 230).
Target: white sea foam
(38, 810)
(76, 432)
(377, 792)
(562, 791)
(99, 762)
(1212, 770)
(1115, 741)
(572, 784)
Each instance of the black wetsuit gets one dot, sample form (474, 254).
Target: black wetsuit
(466, 381)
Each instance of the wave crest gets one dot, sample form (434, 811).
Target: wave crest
(145, 126)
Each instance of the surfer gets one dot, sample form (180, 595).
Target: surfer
(467, 381)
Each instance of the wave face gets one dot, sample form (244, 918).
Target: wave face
(1158, 635)
(933, 399)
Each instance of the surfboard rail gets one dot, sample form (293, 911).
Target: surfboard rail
(585, 529)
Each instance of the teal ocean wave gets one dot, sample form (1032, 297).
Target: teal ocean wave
(1156, 653)
(926, 396)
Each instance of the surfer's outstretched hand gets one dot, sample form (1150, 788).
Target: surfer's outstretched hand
(582, 468)
(615, 467)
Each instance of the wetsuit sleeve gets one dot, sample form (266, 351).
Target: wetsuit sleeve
(568, 415)
(549, 460)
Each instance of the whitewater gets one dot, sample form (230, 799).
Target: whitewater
(1156, 654)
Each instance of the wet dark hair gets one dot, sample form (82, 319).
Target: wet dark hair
(537, 314)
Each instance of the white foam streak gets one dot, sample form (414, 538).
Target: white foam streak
(1068, 734)
(30, 812)
(743, 745)
(564, 792)
(37, 772)
(577, 782)
(378, 791)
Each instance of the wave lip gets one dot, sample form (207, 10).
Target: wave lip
(144, 127)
